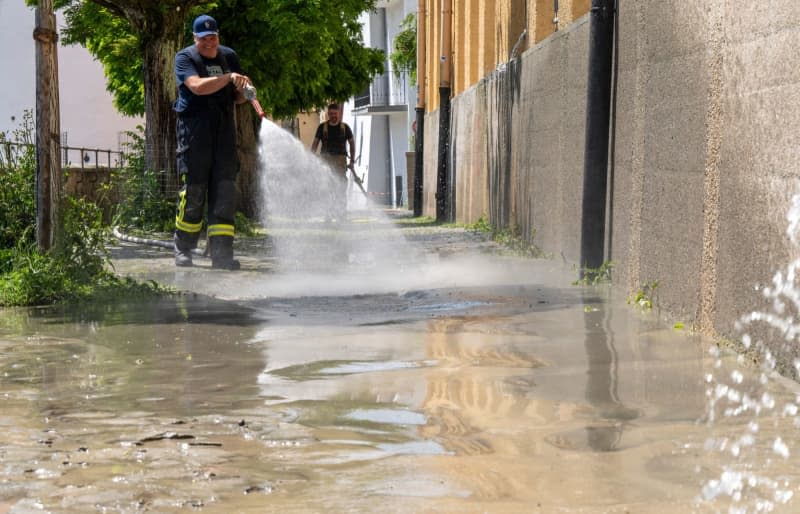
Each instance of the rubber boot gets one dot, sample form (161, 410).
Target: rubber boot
(222, 253)
(183, 250)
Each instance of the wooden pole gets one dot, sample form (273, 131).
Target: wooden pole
(48, 130)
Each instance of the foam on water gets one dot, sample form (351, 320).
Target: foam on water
(751, 478)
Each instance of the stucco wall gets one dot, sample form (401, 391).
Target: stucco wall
(704, 162)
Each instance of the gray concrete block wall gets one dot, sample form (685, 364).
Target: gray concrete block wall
(524, 173)
(549, 116)
(660, 152)
(705, 162)
(542, 142)
(759, 162)
(469, 154)
(430, 161)
(705, 155)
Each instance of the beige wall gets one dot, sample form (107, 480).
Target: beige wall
(484, 32)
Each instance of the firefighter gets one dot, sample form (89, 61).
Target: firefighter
(332, 138)
(210, 82)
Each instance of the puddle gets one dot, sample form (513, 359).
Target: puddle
(453, 306)
(297, 405)
(366, 367)
(388, 416)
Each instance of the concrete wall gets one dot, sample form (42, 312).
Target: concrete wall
(705, 158)
(706, 162)
(517, 145)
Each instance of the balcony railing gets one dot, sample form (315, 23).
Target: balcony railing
(387, 92)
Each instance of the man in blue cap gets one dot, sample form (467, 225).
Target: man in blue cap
(210, 82)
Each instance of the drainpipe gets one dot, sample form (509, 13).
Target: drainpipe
(442, 203)
(555, 15)
(419, 134)
(598, 109)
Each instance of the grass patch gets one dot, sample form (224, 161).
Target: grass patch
(511, 239)
(419, 221)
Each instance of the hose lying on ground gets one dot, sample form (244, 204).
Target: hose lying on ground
(152, 242)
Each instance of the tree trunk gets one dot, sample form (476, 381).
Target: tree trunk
(248, 181)
(159, 94)
(48, 130)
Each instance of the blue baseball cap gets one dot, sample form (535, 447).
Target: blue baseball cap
(204, 25)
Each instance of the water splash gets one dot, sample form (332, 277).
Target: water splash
(299, 191)
(753, 477)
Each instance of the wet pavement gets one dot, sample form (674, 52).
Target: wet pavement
(373, 369)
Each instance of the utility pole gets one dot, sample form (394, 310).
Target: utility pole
(48, 130)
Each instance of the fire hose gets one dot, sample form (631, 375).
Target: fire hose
(154, 242)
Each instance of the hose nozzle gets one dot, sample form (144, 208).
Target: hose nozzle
(249, 93)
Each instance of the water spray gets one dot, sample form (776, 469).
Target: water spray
(251, 95)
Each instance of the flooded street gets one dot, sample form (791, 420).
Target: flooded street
(461, 381)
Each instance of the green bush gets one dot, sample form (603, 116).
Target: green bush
(143, 204)
(77, 268)
(17, 185)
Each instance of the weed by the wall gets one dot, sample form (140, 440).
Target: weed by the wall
(481, 225)
(644, 298)
(594, 276)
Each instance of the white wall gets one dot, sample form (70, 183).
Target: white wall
(87, 113)
(379, 152)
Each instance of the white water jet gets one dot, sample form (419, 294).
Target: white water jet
(747, 481)
(298, 193)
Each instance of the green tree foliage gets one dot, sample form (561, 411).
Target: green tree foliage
(111, 40)
(404, 52)
(300, 54)
(17, 184)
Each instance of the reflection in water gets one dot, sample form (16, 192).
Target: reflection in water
(212, 408)
(472, 388)
(601, 382)
(126, 405)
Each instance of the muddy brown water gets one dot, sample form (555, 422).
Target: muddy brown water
(492, 384)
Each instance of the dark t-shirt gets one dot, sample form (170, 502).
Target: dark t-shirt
(336, 141)
(225, 61)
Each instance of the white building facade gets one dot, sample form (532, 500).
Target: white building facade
(88, 117)
(382, 116)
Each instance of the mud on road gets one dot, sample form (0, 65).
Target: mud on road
(358, 368)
